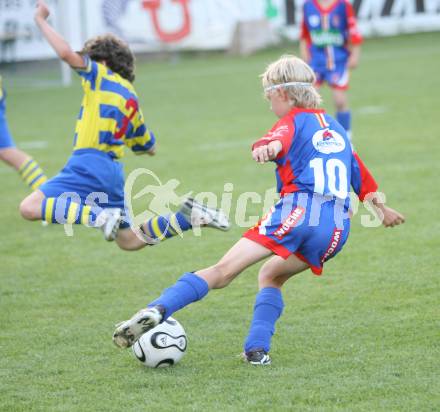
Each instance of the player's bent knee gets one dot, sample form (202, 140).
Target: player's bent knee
(30, 210)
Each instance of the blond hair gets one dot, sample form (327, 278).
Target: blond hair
(291, 69)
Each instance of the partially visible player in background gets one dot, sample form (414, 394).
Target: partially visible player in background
(109, 119)
(330, 43)
(29, 170)
(315, 168)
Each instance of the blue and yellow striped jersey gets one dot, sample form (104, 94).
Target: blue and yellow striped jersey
(110, 116)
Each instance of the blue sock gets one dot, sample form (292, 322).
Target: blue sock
(268, 308)
(189, 288)
(344, 118)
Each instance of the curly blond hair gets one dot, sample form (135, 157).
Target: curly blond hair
(291, 69)
(114, 52)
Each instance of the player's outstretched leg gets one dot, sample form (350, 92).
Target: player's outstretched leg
(191, 287)
(191, 214)
(64, 210)
(28, 168)
(269, 307)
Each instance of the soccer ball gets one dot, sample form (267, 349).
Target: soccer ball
(161, 346)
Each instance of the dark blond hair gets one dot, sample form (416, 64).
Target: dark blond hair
(114, 52)
(289, 69)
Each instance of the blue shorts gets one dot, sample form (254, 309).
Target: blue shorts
(6, 140)
(93, 176)
(338, 78)
(310, 226)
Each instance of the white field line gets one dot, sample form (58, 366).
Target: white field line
(34, 144)
(371, 110)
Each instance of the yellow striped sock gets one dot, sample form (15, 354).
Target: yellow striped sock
(50, 203)
(72, 213)
(174, 227)
(156, 229)
(33, 175)
(38, 182)
(85, 215)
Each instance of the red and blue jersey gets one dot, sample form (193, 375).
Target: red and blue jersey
(328, 31)
(317, 157)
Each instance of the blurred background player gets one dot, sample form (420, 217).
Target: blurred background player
(29, 170)
(330, 43)
(315, 167)
(109, 119)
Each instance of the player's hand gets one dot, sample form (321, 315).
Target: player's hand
(267, 152)
(353, 60)
(391, 217)
(42, 11)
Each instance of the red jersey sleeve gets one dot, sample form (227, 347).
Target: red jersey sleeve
(283, 131)
(304, 33)
(354, 35)
(362, 180)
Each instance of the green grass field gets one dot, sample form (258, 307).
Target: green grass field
(363, 337)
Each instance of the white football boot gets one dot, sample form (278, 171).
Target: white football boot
(108, 221)
(128, 332)
(201, 215)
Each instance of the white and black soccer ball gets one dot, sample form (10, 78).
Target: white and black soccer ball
(161, 346)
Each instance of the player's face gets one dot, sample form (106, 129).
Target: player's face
(279, 103)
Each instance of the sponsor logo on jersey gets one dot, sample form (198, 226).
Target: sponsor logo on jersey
(314, 20)
(291, 221)
(324, 38)
(337, 234)
(328, 141)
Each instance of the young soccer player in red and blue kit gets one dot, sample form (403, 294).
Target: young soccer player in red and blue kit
(315, 167)
(330, 42)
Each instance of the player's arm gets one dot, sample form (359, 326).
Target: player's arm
(142, 140)
(354, 37)
(365, 187)
(304, 40)
(61, 47)
(275, 143)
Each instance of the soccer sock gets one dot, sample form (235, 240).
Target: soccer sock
(344, 118)
(62, 210)
(33, 175)
(188, 289)
(164, 227)
(268, 308)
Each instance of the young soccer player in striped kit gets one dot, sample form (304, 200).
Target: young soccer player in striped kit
(28, 168)
(330, 42)
(309, 225)
(109, 120)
